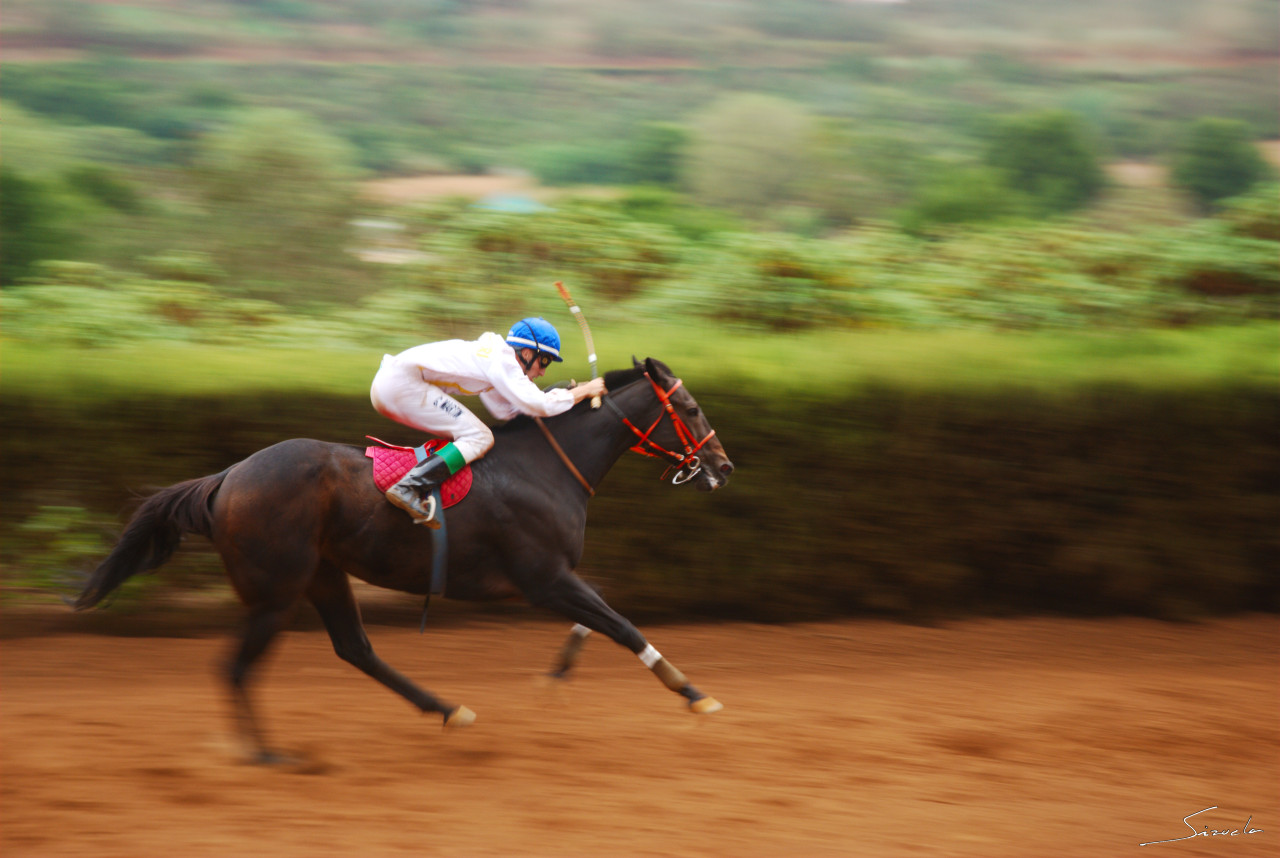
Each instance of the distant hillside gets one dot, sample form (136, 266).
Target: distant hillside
(652, 35)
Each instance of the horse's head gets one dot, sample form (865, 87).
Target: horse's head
(682, 436)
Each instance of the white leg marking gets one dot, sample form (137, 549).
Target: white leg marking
(650, 656)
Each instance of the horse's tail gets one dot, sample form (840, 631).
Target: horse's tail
(153, 535)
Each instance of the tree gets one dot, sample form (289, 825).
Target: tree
(1216, 159)
(748, 152)
(1050, 157)
(280, 194)
(855, 174)
(29, 229)
(657, 153)
(105, 186)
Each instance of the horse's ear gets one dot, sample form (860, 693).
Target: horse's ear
(656, 368)
(635, 363)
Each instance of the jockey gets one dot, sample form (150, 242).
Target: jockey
(417, 388)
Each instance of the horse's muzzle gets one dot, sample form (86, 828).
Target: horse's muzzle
(713, 476)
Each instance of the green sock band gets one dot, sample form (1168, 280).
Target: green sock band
(452, 457)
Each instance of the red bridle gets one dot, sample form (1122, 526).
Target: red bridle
(687, 463)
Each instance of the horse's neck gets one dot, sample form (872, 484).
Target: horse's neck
(593, 439)
(604, 429)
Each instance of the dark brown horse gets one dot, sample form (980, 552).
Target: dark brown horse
(293, 520)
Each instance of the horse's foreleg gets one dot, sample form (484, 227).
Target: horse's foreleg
(570, 596)
(331, 593)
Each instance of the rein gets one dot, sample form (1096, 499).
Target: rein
(564, 457)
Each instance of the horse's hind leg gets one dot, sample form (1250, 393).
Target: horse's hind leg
(569, 653)
(331, 593)
(569, 595)
(260, 628)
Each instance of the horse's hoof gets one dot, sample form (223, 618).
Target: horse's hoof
(460, 717)
(705, 705)
(300, 764)
(273, 758)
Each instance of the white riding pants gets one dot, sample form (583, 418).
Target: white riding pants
(400, 392)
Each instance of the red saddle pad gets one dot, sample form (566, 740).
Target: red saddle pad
(391, 462)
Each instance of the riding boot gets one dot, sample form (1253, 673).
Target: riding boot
(415, 492)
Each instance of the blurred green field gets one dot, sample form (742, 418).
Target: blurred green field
(810, 363)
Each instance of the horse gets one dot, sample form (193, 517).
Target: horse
(292, 521)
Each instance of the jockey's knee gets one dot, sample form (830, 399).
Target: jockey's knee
(474, 443)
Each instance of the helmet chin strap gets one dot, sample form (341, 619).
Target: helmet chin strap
(527, 364)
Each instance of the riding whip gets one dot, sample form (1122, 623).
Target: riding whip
(586, 333)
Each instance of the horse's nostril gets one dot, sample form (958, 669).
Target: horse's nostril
(726, 468)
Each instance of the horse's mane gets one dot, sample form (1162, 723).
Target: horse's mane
(617, 378)
(613, 380)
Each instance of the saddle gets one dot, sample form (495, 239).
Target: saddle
(391, 462)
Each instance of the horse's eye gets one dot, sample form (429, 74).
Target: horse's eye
(693, 412)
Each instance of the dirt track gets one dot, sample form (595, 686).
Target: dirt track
(992, 738)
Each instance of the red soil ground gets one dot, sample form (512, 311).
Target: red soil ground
(980, 738)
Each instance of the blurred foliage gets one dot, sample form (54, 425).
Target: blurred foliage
(924, 361)
(55, 545)
(961, 195)
(732, 165)
(40, 145)
(649, 204)
(1049, 158)
(1211, 263)
(490, 83)
(854, 174)
(597, 163)
(1217, 160)
(254, 164)
(30, 228)
(1254, 214)
(278, 195)
(868, 117)
(657, 154)
(648, 257)
(49, 554)
(106, 186)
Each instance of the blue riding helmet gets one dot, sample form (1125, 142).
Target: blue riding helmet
(535, 333)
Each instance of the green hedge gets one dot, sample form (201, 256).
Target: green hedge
(1106, 501)
(916, 504)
